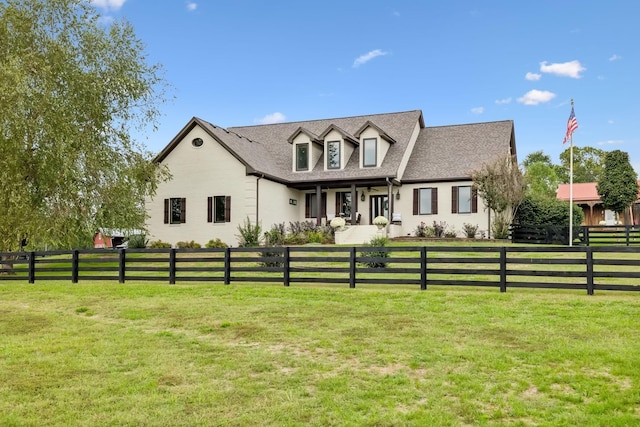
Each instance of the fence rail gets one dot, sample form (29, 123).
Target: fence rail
(585, 268)
(586, 235)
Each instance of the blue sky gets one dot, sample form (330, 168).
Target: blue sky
(242, 62)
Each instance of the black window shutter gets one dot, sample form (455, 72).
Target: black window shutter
(183, 210)
(454, 199)
(434, 201)
(227, 209)
(474, 200)
(166, 211)
(338, 203)
(209, 209)
(307, 203)
(323, 201)
(416, 201)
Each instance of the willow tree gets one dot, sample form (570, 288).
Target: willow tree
(72, 89)
(501, 185)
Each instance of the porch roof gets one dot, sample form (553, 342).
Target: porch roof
(582, 192)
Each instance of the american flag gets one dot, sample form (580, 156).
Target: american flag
(572, 124)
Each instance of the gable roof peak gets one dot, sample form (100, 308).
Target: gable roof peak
(346, 135)
(312, 136)
(382, 133)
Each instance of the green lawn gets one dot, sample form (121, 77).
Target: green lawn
(243, 355)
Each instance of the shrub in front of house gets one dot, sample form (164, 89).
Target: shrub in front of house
(250, 234)
(216, 243)
(188, 245)
(470, 230)
(137, 241)
(439, 228)
(546, 211)
(159, 244)
(273, 238)
(450, 233)
(424, 230)
(303, 232)
(376, 242)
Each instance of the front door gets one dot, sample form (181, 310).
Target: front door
(379, 206)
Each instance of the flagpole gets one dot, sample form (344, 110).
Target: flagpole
(572, 124)
(571, 185)
(571, 189)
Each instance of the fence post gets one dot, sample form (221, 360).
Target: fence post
(32, 267)
(172, 266)
(286, 265)
(122, 265)
(626, 232)
(75, 255)
(227, 266)
(586, 235)
(589, 253)
(423, 268)
(352, 267)
(503, 269)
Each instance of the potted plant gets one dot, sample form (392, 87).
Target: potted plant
(337, 223)
(381, 222)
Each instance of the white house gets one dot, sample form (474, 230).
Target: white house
(356, 167)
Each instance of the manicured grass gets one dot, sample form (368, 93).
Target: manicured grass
(194, 354)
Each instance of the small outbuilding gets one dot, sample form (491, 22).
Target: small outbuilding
(107, 239)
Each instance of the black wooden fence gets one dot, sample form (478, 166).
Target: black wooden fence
(619, 235)
(586, 268)
(627, 235)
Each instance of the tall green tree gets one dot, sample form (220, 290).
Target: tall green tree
(618, 186)
(541, 175)
(536, 157)
(501, 186)
(588, 164)
(71, 91)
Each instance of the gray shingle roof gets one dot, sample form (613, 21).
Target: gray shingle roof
(398, 126)
(440, 153)
(451, 152)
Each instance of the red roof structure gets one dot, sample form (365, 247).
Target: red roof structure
(582, 192)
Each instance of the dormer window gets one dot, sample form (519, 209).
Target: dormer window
(333, 155)
(370, 152)
(302, 157)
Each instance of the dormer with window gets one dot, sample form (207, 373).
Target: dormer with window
(307, 149)
(338, 147)
(374, 144)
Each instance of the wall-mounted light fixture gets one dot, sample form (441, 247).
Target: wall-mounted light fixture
(398, 195)
(362, 197)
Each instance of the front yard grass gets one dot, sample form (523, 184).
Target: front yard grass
(248, 354)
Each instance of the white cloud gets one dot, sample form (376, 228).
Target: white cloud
(535, 97)
(533, 76)
(191, 6)
(503, 101)
(477, 110)
(565, 69)
(108, 4)
(271, 118)
(615, 57)
(363, 59)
